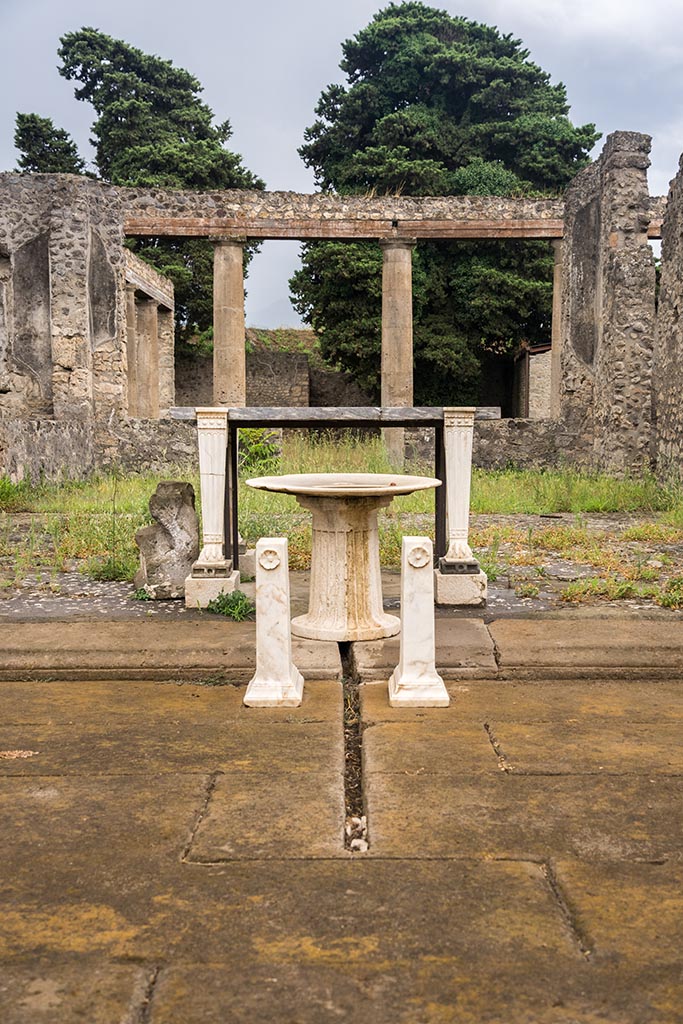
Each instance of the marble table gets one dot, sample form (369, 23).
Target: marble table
(345, 600)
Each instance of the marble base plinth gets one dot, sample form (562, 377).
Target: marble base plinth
(272, 693)
(460, 590)
(199, 590)
(420, 693)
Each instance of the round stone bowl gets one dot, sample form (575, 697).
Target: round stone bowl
(344, 485)
(345, 600)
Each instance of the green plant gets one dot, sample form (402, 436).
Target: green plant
(527, 590)
(672, 595)
(236, 606)
(141, 594)
(259, 451)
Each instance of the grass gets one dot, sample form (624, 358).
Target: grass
(91, 524)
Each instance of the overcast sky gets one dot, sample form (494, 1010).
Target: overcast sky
(264, 63)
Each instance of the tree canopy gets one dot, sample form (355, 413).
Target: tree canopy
(44, 148)
(152, 129)
(437, 105)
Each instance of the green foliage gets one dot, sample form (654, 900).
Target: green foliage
(153, 130)
(44, 148)
(235, 606)
(437, 105)
(259, 451)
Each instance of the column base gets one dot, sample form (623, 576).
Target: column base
(199, 590)
(412, 693)
(310, 628)
(467, 589)
(273, 693)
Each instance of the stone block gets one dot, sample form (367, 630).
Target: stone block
(169, 547)
(456, 589)
(199, 590)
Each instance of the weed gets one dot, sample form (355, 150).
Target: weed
(235, 606)
(141, 594)
(672, 595)
(527, 590)
(111, 569)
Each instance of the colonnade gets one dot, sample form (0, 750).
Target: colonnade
(150, 355)
(397, 328)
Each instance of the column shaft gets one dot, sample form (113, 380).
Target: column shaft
(229, 358)
(556, 333)
(397, 336)
(148, 359)
(132, 350)
(166, 360)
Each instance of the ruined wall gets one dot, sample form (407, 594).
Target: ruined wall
(540, 369)
(273, 378)
(608, 309)
(668, 356)
(35, 449)
(61, 297)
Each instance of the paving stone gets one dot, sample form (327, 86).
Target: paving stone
(579, 747)
(426, 989)
(589, 647)
(273, 815)
(631, 913)
(94, 702)
(152, 650)
(542, 701)
(524, 817)
(76, 990)
(430, 745)
(464, 651)
(122, 747)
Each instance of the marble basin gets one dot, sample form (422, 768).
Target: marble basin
(345, 601)
(344, 485)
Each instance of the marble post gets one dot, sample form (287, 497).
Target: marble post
(277, 682)
(132, 350)
(229, 354)
(459, 579)
(415, 683)
(556, 333)
(397, 337)
(148, 359)
(212, 574)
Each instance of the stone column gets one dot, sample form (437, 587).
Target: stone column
(415, 683)
(148, 359)
(132, 350)
(397, 336)
(459, 579)
(229, 357)
(166, 360)
(212, 574)
(277, 682)
(556, 332)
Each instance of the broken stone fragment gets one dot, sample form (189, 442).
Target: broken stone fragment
(169, 547)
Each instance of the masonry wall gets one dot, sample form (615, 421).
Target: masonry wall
(668, 356)
(608, 308)
(273, 378)
(62, 314)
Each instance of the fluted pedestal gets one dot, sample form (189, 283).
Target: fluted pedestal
(346, 588)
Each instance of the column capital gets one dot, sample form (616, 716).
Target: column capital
(398, 243)
(221, 240)
(458, 416)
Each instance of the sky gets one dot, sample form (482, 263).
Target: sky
(264, 63)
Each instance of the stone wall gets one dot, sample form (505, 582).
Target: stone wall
(527, 444)
(608, 307)
(668, 357)
(34, 449)
(540, 365)
(62, 309)
(273, 378)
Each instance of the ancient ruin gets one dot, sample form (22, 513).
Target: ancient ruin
(86, 328)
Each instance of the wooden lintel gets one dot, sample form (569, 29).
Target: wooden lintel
(342, 230)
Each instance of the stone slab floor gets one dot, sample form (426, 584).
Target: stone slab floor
(168, 856)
